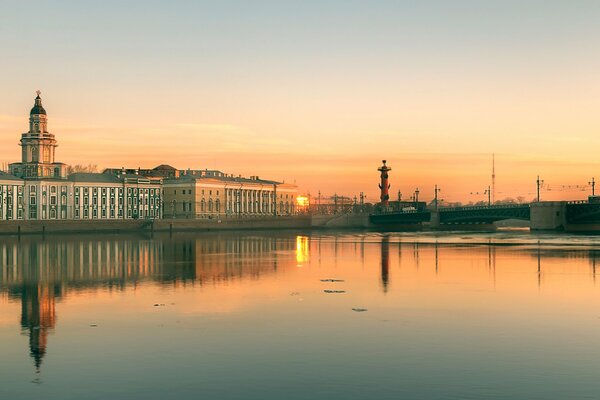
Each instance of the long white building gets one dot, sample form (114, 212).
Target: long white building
(38, 188)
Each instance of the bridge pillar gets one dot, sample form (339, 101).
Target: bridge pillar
(435, 219)
(548, 215)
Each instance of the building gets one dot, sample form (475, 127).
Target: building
(208, 194)
(11, 197)
(38, 188)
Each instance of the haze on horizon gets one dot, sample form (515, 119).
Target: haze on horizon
(315, 91)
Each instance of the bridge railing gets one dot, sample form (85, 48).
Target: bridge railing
(578, 202)
(495, 206)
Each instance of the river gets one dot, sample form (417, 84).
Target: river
(300, 315)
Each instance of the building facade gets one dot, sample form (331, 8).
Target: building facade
(195, 195)
(39, 188)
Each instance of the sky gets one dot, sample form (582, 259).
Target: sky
(316, 92)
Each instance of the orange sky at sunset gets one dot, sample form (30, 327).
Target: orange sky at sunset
(318, 94)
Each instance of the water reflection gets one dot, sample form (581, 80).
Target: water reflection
(385, 262)
(38, 273)
(477, 291)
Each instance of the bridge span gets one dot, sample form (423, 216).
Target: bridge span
(549, 215)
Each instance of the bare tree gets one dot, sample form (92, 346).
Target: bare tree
(90, 168)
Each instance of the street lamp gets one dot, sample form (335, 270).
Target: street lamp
(488, 191)
(417, 198)
(539, 185)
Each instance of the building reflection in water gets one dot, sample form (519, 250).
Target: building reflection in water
(39, 273)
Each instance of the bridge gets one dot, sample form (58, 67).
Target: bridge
(455, 215)
(551, 215)
(484, 215)
(582, 212)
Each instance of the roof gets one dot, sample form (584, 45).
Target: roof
(188, 178)
(165, 167)
(8, 177)
(93, 177)
(106, 178)
(38, 108)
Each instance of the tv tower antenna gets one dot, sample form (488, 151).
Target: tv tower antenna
(493, 178)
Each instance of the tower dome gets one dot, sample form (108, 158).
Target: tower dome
(37, 107)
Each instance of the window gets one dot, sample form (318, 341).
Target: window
(103, 213)
(52, 213)
(32, 200)
(77, 200)
(76, 213)
(95, 213)
(76, 190)
(52, 189)
(63, 200)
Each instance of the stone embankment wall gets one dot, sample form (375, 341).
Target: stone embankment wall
(354, 221)
(169, 225)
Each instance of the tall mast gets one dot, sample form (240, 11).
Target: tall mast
(493, 178)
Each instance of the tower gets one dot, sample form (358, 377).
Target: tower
(384, 185)
(37, 148)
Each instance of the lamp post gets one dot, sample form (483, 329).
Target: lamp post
(539, 185)
(593, 183)
(417, 198)
(488, 191)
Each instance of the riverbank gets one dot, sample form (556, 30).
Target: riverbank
(166, 225)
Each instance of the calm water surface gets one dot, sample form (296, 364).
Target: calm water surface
(300, 316)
